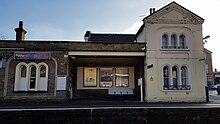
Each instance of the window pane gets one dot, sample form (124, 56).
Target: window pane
(122, 77)
(165, 40)
(23, 71)
(184, 77)
(166, 77)
(174, 75)
(173, 41)
(182, 41)
(43, 71)
(90, 77)
(106, 75)
(33, 71)
(32, 83)
(33, 77)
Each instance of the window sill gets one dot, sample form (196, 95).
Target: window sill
(31, 91)
(174, 49)
(177, 90)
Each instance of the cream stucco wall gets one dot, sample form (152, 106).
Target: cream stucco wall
(192, 57)
(154, 89)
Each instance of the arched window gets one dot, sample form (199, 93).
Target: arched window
(42, 71)
(175, 76)
(184, 76)
(166, 77)
(43, 77)
(182, 41)
(173, 41)
(23, 71)
(165, 41)
(33, 77)
(21, 79)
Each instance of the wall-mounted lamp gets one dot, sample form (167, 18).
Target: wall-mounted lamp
(204, 39)
(143, 48)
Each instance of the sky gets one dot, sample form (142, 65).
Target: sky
(69, 19)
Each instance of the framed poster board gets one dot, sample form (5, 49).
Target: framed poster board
(106, 77)
(90, 75)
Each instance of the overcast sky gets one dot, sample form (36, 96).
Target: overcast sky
(70, 19)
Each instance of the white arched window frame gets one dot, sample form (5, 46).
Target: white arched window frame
(173, 41)
(33, 80)
(182, 41)
(165, 41)
(166, 77)
(175, 77)
(32, 76)
(21, 81)
(185, 78)
(42, 78)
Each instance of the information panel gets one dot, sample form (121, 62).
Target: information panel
(90, 77)
(32, 55)
(61, 82)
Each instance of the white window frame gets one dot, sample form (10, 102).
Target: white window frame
(184, 41)
(30, 66)
(174, 44)
(165, 42)
(179, 78)
(23, 84)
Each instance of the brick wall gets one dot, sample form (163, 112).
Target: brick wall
(58, 49)
(11, 80)
(57, 56)
(71, 46)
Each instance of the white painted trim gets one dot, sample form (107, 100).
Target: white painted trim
(28, 75)
(38, 74)
(178, 75)
(6, 76)
(17, 75)
(92, 53)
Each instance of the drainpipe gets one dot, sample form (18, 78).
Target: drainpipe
(207, 93)
(145, 64)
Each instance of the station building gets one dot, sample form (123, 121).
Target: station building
(162, 62)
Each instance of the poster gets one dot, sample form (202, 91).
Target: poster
(90, 77)
(106, 75)
(122, 76)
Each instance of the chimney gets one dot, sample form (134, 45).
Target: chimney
(20, 32)
(152, 10)
(87, 35)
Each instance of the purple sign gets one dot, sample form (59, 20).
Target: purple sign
(32, 55)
